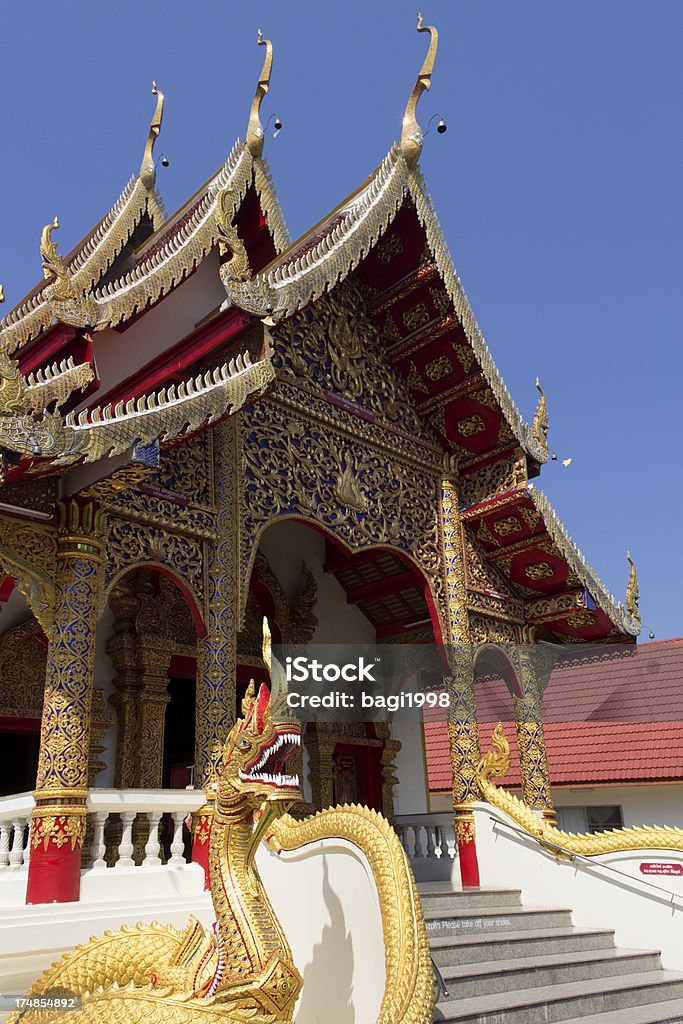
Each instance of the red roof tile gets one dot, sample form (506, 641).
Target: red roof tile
(605, 720)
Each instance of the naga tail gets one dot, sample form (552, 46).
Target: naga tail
(408, 991)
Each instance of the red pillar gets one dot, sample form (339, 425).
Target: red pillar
(465, 831)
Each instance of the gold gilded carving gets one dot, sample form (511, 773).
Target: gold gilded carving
(416, 317)
(346, 490)
(470, 426)
(509, 473)
(237, 267)
(485, 535)
(439, 368)
(346, 358)
(438, 420)
(389, 247)
(255, 133)
(539, 571)
(415, 381)
(533, 758)
(64, 298)
(465, 356)
(646, 837)
(580, 619)
(632, 590)
(530, 516)
(507, 526)
(148, 167)
(65, 727)
(540, 425)
(411, 134)
(247, 972)
(441, 301)
(28, 553)
(389, 329)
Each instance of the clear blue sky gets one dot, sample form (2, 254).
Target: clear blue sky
(557, 186)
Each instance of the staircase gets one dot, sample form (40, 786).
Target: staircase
(508, 964)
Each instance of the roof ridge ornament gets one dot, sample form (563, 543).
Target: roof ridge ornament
(148, 170)
(255, 131)
(540, 427)
(65, 301)
(632, 590)
(411, 135)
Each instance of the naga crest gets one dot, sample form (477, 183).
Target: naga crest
(255, 754)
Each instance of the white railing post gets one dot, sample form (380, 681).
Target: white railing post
(431, 847)
(27, 841)
(16, 854)
(99, 847)
(4, 843)
(152, 846)
(126, 846)
(177, 846)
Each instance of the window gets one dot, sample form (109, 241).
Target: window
(602, 818)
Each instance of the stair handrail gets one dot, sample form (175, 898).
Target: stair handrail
(571, 856)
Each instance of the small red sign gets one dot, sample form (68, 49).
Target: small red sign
(658, 867)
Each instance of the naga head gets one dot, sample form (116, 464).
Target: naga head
(255, 755)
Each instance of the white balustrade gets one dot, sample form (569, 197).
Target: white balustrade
(429, 842)
(15, 837)
(152, 846)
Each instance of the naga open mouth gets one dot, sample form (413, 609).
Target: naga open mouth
(267, 770)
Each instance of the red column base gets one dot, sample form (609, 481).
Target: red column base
(467, 848)
(54, 871)
(201, 835)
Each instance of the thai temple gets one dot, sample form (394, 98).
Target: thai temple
(204, 424)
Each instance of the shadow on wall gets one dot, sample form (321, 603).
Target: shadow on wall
(328, 978)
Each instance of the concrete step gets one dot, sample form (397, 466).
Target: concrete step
(493, 919)
(470, 946)
(436, 896)
(487, 977)
(552, 1003)
(669, 1012)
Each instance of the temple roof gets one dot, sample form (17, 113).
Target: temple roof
(522, 535)
(87, 263)
(337, 245)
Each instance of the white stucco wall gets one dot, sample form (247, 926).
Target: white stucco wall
(410, 795)
(286, 544)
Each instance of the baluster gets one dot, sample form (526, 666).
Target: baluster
(443, 843)
(99, 847)
(4, 843)
(178, 846)
(16, 854)
(152, 846)
(411, 841)
(403, 838)
(419, 841)
(126, 846)
(27, 841)
(452, 844)
(431, 835)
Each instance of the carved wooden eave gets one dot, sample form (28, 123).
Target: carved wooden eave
(522, 536)
(340, 243)
(87, 263)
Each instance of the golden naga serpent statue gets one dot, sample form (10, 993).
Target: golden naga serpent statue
(496, 764)
(243, 971)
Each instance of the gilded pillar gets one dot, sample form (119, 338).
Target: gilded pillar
(463, 732)
(320, 744)
(217, 651)
(59, 817)
(533, 759)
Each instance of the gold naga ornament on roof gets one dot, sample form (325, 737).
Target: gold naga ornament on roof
(541, 423)
(411, 134)
(148, 169)
(632, 590)
(255, 132)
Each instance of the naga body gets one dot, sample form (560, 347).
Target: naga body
(243, 970)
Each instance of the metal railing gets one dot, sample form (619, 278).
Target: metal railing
(570, 856)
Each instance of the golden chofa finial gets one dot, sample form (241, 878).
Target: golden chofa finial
(540, 427)
(255, 132)
(411, 136)
(148, 170)
(632, 590)
(2, 294)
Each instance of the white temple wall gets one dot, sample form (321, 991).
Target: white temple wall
(286, 544)
(119, 355)
(411, 795)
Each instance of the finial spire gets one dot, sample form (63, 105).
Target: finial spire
(411, 136)
(255, 133)
(148, 171)
(632, 590)
(540, 427)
